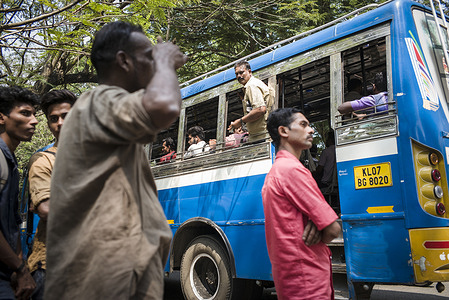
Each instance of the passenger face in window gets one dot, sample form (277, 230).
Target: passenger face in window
(165, 149)
(192, 140)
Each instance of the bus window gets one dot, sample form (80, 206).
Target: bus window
(203, 114)
(362, 66)
(307, 88)
(155, 148)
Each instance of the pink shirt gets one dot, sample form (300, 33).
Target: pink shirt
(290, 198)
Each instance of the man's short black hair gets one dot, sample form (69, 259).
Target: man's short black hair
(196, 131)
(11, 97)
(110, 39)
(169, 143)
(242, 63)
(56, 97)
(380, 81)
(354, 84)
(280, 117)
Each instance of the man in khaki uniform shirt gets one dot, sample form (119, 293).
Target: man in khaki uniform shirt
(55, 104)
(256, 103)
(107, 235)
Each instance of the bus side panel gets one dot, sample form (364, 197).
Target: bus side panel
(231, 201)
(250, 251)
(374, 248)
(169, 202)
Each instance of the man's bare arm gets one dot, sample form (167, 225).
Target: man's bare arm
(7, 255)
(331, 232)
(43, 209)
(25, 282)
(162, 97)
(345, 107)
(253, 115)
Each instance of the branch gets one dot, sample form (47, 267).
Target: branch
(13, 9)
(41, 17)
(45, 48)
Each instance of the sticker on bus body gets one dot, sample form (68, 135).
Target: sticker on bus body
(372, 176)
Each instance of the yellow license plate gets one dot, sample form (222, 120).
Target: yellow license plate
(372, 176)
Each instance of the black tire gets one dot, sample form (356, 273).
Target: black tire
(205, 271)
(363, 290)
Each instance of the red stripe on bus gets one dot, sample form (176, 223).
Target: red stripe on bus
(436, 245)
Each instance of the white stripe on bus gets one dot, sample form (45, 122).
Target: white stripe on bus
(216, 174)
(375, 148)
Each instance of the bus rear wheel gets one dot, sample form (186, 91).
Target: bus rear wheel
(205, 271)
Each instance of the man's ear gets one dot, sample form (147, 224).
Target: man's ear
(283, 131)
(123, 60)
(2, 119)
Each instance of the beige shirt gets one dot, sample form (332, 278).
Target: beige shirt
(39, 178)
(106, 229)
(256, 95)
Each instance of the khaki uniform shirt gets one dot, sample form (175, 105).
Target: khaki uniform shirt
(107, 235)
(39, 179)
(256, 95)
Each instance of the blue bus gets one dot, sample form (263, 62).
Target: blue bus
(390, 183)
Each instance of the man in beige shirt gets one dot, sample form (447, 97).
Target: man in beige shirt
(55, 104)
(107, 235)
(256, 103)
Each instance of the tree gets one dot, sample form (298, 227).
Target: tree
(46, 44)
(214, 33)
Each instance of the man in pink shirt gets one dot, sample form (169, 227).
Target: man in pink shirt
(298, 220)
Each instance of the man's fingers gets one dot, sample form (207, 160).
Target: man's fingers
(306, 230)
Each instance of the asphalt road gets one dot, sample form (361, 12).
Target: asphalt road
(380, 292)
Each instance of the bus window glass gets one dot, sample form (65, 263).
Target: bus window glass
(234, 112)
(307, 88)
(362, 64)
(433, 52)
(156, 151)
(203, 114)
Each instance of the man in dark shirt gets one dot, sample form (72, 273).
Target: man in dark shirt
(17, 124)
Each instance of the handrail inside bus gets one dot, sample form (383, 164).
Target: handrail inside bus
(294, 38)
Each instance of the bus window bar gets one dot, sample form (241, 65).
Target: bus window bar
(372, 126)
(367, 117)
(284, 42)
(376, 128)
(213, 160)
(218, 148)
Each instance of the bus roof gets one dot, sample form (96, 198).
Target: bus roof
(374, 17)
